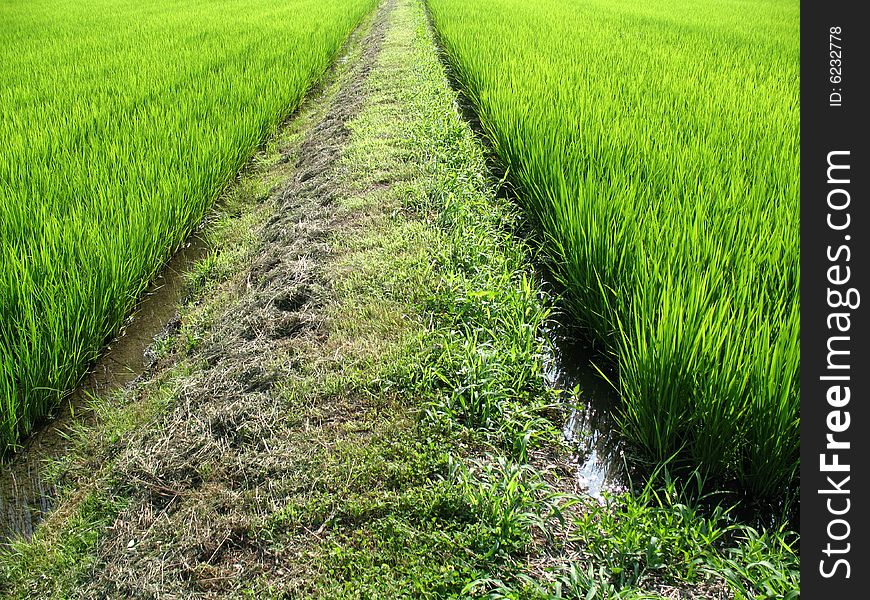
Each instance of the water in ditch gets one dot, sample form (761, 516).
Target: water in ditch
(591, 427)
(26, 489)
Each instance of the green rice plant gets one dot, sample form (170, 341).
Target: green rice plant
(656, 146)
(121, 122)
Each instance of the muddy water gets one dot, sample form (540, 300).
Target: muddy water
(26, 494)
(591, 426)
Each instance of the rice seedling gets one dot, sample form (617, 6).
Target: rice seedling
(122, 121)
(656, 145)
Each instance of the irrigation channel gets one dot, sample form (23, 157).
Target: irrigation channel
(26, 489)
(591, 426)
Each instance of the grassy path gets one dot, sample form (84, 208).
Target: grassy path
(114, 154)
(353, 404)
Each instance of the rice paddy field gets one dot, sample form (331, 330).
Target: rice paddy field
(353, 384)
(656, 144)
(121, 123)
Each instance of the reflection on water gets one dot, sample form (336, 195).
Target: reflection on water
(26, 492)
(591, 426)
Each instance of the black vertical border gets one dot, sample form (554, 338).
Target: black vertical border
(825, 128)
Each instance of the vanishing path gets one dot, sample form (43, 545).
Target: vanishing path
(287, 442)
(353, 402)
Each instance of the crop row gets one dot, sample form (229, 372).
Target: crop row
(656, 144)
(121, 123)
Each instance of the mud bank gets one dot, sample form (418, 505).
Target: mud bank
(27, 490)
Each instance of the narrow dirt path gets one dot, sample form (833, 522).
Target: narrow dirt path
(213, 469)
(354, 402)
(183, 526)
(300, 432)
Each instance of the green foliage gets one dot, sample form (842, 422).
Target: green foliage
(484, 368)
(122, 121)
(655, 530)
(659, 156)
(509, 498)
(762, 565)
(654, 535)
(58, 557)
